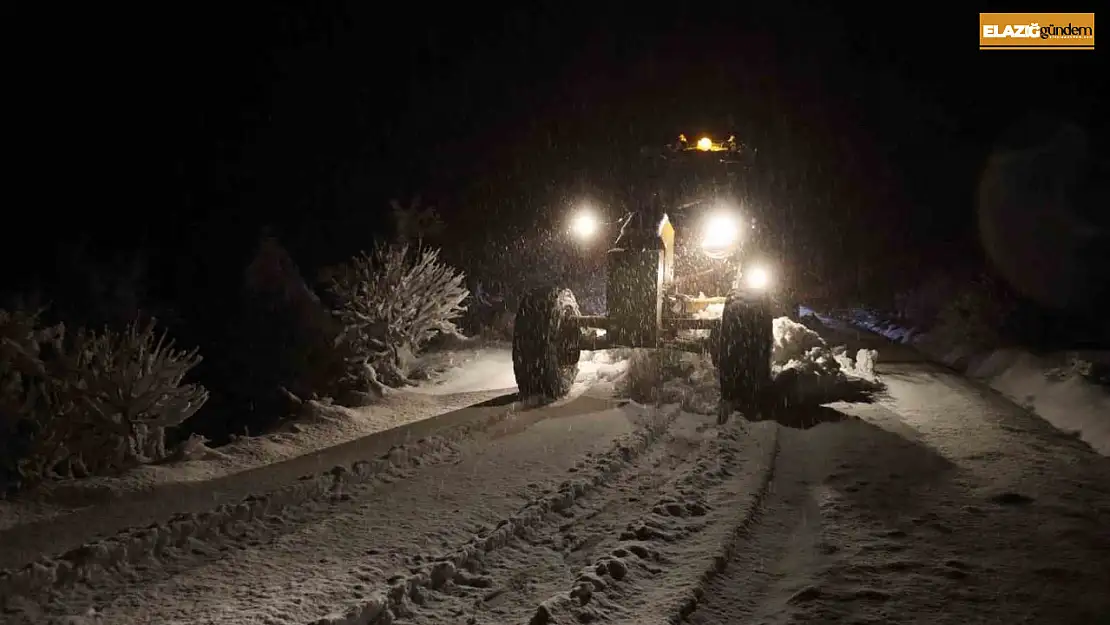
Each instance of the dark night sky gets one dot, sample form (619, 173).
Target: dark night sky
(192, 127)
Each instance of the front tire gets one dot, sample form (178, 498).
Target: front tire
(546, 343)
(744, 359)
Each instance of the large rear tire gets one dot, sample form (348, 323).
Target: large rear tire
(744, 358)
(546, 343)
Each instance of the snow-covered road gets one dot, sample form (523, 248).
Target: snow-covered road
(940, 503)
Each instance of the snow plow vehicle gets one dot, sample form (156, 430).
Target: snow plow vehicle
(685, 270)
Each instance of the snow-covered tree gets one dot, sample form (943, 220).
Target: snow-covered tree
(90, 402)
(390, 303)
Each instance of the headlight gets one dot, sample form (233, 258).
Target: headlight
(722, 232)
(757, 278)
(584, 225)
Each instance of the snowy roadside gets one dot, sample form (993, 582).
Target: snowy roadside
(458, 374)
(108, 534)
(601, 509)
(1057, 387)
(688, 380)
(450, 386)
(326, 426)
(337, 552)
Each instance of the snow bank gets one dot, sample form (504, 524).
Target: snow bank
(1062, 388)
(1054, 387)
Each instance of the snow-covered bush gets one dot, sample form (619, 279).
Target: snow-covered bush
(90, 402)
(390, 303)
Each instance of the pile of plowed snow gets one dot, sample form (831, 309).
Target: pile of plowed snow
(810, 372)
(804, 365)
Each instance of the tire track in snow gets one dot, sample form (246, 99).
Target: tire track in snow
(374, 542)
(178, 538)
(184, 540)
(99, 569)
(865, 520)
(97, 572)
(506, 585)
(666, 559)
(187, 540)
(405, 594)
(770, 567)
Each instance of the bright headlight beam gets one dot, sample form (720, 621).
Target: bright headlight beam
(758, 278)
(721, 231)
(584, 225)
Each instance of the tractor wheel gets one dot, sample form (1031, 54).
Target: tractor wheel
(546, 343)
(744, 360)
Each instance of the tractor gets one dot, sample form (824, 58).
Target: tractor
(685, 270)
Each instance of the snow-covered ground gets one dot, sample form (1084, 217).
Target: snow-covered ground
(460, 374)
(467, 373)
(322, 426)
(1060, 387)
(933, 502)
(468, 367)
